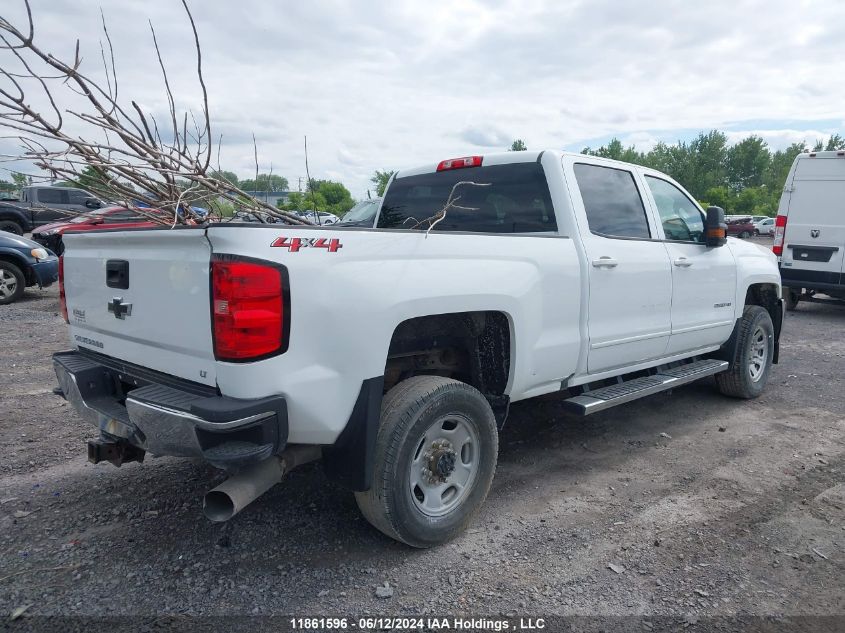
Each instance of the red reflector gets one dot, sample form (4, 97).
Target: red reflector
(460, 163)
(780, 230)
(62, 298)
(248, 310)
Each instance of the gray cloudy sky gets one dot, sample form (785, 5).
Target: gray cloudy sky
(387, 85)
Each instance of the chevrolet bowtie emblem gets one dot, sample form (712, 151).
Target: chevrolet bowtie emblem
(119, 309)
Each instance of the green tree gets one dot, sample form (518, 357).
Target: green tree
(834, 143)
(518, 146)
(718, 196)
(380, 180)
(229, 176)
(265, 182)
(21, 180)
(324, 195)
(337, 198)
(747, 162)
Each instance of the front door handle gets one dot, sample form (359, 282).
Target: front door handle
(605, 262)
(683, 262)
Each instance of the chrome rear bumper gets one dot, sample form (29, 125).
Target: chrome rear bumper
(165, 420)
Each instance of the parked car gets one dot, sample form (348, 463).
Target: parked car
(741, 227)
(257, 216)
(563, 273)
(52, 235)
(766, 226)
(810, 228)
(321, 217)
(42, 205)
(24, 263)
(362, 214)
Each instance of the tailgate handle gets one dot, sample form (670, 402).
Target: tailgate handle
(117, 273)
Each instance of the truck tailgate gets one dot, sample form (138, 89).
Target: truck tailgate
(159, 315)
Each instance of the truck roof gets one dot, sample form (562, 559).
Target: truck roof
(502, 158)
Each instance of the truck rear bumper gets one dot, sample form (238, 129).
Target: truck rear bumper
(163, 419)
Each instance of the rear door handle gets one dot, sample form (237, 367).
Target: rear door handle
(605, 262)
(683, 262)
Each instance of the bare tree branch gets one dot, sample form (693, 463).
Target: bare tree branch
(120, 157)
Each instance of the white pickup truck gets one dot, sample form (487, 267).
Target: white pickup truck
(392, 353)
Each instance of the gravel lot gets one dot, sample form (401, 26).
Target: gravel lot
(704, 506)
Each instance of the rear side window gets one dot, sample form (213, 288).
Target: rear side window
(514, 199)
(612, 201)
(52, 196)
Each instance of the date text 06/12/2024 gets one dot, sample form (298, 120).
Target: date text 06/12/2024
(420, 623)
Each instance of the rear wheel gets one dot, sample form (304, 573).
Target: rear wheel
(12, 282)
(752, 359)
(745, 234)
(792, 298)
(434, 462)
(10, 226)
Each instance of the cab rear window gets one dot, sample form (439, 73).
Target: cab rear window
(511, 198)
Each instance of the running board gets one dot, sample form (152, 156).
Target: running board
(606, 397)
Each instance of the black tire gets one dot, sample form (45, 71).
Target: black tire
(791, 297)
(10, 226)
(8, 269)
(742, 380)
(408, 411)
(745, 235)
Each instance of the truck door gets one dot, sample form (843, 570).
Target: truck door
(630, 281)
(48, 204)
(703, 279)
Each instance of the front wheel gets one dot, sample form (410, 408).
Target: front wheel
(745, 234)
(12, 282)
(10, 226)
(434, 461)
(752, 358)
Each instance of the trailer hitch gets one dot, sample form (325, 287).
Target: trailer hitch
(114, 452)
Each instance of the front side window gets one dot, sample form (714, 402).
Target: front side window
(511, 198)
(682, 219)
(78, 196)
(612, 201)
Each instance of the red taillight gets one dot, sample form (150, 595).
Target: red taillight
(460, 163)
(62, 299)
(247, 309)
(780, 229)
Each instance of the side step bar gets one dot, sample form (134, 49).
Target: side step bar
(606, 397)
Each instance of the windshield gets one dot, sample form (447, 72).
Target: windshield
(511, 198)
(362, 212)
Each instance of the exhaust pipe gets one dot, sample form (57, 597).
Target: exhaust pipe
(237, 492)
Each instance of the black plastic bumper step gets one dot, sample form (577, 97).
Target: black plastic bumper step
(628, 390)
(237, 452)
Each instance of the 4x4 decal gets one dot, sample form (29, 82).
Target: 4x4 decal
(293, 244)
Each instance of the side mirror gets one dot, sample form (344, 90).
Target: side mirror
(715, 229)
(92, 203)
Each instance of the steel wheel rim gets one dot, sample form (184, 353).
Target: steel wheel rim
(758, 354)
(435, 489)
(8, 284)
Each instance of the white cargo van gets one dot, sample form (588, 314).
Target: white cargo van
(810, 228)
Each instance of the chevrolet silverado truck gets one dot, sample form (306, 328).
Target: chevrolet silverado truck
(485, 280)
